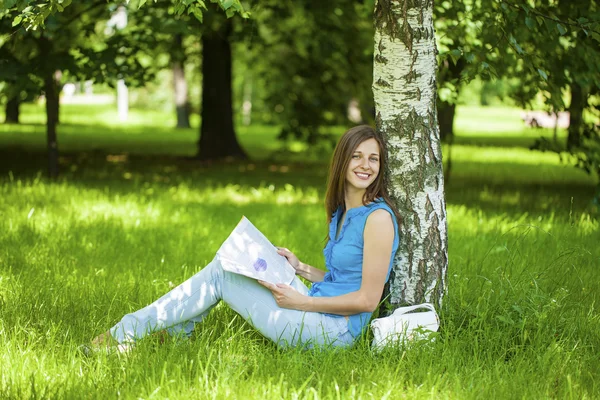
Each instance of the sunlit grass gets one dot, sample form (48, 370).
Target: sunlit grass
(116, 231)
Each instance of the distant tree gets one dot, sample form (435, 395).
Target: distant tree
(73, 44)
(180, 86)
(217, 133)
(12, 110)
(15, 71)
(162, 34)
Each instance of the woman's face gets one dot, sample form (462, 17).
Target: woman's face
(364, 165)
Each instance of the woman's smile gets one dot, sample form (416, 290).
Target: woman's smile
(362, 175)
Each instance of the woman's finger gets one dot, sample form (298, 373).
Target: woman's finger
(268, 285)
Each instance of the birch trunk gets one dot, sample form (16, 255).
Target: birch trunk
(404, 91)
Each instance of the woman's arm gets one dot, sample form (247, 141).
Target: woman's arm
(310, 273)
(378, 242)
(306, 271)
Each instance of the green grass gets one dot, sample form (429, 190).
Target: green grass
(520, 319)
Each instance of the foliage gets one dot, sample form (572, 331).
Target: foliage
(314, 57)
(514, 38)
(77, 42)
(33, 14)
(550, 48)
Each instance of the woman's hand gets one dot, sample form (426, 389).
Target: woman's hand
(304, 270)
(291, 257)
(286, 296)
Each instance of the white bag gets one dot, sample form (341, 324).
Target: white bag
(400, 327)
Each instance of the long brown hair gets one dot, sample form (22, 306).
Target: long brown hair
(336, 182)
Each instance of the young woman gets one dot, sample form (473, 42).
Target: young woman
(361, 244)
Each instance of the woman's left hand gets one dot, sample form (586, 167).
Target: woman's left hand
(286, 296)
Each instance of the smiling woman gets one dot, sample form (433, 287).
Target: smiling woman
(364, 165)
(362, 241)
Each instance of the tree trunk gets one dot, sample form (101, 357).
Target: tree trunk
(446, 112)
(217, 135)
(449, 71)
(404, 90)
(12, 111)
(576, 125)
(51, 94)
(180, 89)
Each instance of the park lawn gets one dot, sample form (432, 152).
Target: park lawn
(121, 227)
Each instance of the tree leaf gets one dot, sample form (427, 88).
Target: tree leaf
(529, 22)
(455, 55)
(17, 20)
(549, 25)
(561, 29)
(516, 45)
(543, 74)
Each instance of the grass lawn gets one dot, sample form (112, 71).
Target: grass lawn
(128, 219)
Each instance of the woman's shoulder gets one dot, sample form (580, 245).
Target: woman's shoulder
(382, 223)
(380, 212)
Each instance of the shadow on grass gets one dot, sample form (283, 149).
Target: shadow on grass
(524, 141)
(505, 188)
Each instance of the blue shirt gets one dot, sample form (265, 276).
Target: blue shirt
(344, 258)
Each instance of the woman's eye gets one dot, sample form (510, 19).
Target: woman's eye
(355, 157)
(373, 159)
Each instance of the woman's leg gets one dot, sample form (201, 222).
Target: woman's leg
(285, 327)
(177, 310)
(192, 300)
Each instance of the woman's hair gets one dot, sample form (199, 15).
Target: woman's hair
(336, 183)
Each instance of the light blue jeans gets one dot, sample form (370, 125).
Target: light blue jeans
(187, 304)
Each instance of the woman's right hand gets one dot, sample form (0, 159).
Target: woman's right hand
(291, 257)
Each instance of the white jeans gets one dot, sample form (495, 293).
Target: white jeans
(178, 311)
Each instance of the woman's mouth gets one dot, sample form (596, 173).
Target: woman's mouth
(363, 176)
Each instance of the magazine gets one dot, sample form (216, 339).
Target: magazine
(248, 252)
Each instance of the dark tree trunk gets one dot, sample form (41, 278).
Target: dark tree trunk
(56, 109)
(446, 113)
(12, 111)
(51, 93)
(576, 126)
(182, 104)
(448, 71)
(217, 134)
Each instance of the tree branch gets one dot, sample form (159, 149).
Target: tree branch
(554, 19)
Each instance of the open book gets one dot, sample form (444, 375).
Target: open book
(248, 252)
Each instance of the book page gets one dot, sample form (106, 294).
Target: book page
(248, 252)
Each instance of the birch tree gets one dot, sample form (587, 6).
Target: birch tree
(404, 91)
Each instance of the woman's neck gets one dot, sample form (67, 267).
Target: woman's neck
(354, 199)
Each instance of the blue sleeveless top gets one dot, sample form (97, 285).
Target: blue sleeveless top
(344, 258)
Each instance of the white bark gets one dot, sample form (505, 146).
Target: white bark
(405, 96)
